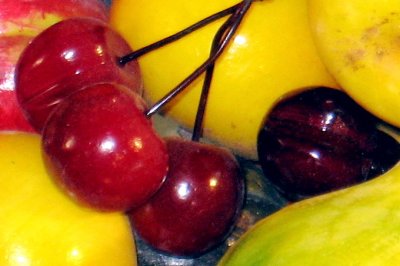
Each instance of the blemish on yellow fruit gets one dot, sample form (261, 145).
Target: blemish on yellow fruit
(353, 59)
(358, 41)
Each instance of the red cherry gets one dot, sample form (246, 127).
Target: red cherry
(198, 203)
(67, 56)
(103, 150)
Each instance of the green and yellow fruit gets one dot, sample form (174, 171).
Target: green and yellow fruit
(359, 43)
(359, 225)
(272, 54)
(40, 225)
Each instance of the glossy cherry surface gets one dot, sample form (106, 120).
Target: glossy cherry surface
(197, 205)
(321, 140)
(102, 149)
(67, 56)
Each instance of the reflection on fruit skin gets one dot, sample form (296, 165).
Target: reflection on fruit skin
(103, 149)
(198, 204)
(272, 54)
(42, 226)
(83, 52)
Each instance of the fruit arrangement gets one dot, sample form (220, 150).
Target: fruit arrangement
(179, 140)
(255, 60)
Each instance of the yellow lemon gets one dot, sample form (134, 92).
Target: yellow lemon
(271, 55)
(359, 41)
(42, 226)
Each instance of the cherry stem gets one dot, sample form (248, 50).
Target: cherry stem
(136, 54)
(198, 125)
(228, 30)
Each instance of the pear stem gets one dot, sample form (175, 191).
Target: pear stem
(149, 48)
(228, 30)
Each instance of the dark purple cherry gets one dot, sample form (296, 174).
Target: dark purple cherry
(198, 203)
(320, 140)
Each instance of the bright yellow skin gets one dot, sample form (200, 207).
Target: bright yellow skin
(273, 54)
(42, 226)
(360, 45)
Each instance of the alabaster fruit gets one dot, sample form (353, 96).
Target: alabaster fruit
(359, 43)
(42, 226)
(20, 21)
(272, 54)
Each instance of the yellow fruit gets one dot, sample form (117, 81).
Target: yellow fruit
(271, 55)
(359, 42)
(354, 226)
(42, 226)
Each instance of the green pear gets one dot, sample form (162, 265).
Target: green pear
(359, 225)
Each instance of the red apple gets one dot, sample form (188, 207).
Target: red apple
(11, 117)
(20, 21)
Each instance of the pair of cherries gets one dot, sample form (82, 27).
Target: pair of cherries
(80, 86)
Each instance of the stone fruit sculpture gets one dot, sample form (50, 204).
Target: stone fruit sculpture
(97, 137)
(267, 58)
(41, 226)
(359, 43)
(20, 21)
